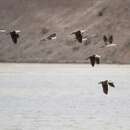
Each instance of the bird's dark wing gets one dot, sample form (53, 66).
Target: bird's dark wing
(111, 84)
(105, 38)
(17, 35)
(105, 88)
(111, 39)
(97, 60)
(92, 60)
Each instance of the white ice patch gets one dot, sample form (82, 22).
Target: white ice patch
(111, 45)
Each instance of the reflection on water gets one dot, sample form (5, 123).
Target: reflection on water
(68, 97)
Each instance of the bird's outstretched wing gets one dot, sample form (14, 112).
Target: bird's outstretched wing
(3, 31)
(111, 84)
(111, 39)
(97, 56)
(83, 31)
(17, 31)
(97, 59)
(105, 38)
(74, 32)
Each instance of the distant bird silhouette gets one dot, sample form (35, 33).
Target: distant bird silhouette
(52, 36)
(94, 59)
(78, 35)
(14, 35)
(108, 41)
(105, 85)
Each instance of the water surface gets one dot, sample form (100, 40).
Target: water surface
(63, 97)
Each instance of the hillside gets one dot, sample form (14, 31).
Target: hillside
(38, 18)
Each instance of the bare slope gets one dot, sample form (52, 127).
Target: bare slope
(39, 18)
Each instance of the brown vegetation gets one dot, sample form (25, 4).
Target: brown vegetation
(39, 18)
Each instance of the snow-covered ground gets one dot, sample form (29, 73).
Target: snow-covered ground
(63, 97)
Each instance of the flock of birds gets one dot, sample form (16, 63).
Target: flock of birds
(94, 59)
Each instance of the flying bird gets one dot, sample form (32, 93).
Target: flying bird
(14, 34)
(94, 59)
(78, 35)
(105, 85)
(108, 41)
(52, 36)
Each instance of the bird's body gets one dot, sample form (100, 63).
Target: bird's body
(105, 85)
(14, 35)
(94, 59)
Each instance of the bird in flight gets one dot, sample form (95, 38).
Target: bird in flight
(14, 34)
(79, 35)
(108, 41)
(94, 59)
(50, 37)
(105, 85)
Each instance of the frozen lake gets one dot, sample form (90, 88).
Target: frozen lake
(63, 97)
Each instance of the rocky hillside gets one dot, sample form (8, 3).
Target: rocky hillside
(38, 18)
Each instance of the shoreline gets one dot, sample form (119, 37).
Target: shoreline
(41, 68)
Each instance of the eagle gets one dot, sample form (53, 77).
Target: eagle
(14, 34)
(105, 85)
(94, 59)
